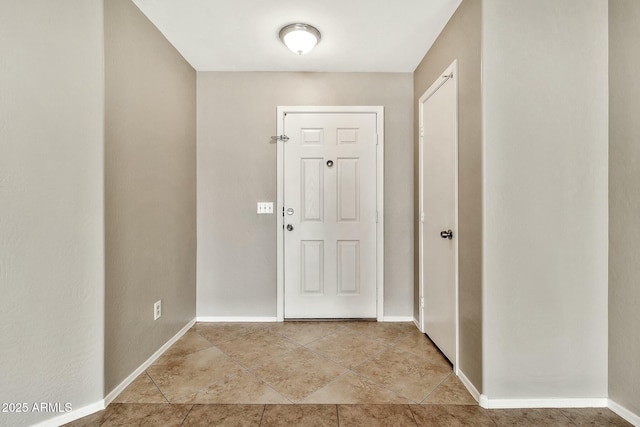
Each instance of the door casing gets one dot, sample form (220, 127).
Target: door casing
(452, 70)
(379, 112)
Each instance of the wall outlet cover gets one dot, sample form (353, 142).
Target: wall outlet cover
(157, 310)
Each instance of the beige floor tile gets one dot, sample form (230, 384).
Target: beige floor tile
(245, 388)
(189, 343)
(93, 420)
(530, 418)
(220, 332)
(451, 416)
(300, 416)
(451, 392)
(224, 416)
(601, 417)
(141, 390)
(193, 373)
(388, 332)
(354, 389)
(299, 373)
(418, 343)
(348, 348)
(306, 332)
(257, 347)
(138, 414)
(375, 416)
(405, 373)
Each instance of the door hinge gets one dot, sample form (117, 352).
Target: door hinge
(421, 131)
(421, 302)
(422, 217)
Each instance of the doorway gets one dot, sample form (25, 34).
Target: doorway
(330, 212)
(438, 189)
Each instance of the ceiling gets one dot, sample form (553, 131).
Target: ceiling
(357, 35)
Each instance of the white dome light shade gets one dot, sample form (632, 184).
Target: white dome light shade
(300, 38)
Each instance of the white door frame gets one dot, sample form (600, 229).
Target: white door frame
(450, 73)
(379, 112)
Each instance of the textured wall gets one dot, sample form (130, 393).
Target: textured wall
(545, 126)
(237, 168)
(51, 209)
(150, 160)
(624, 204)
(460, 40)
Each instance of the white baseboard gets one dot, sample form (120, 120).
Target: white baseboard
(102, 404)
(469, 385)
(214, 319)
(73, 415)
(417, 323)
(624, 413)
(488, 403)
(397, 319)
(124, 384)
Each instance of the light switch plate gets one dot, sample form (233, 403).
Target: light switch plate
(265, 208)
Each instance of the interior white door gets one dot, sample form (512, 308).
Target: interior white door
(438, 119)
(330, 215)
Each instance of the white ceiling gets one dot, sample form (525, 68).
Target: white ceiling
(357, 35)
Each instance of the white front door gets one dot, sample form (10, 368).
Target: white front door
(330, 215)
(438, 212)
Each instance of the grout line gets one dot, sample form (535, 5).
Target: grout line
(413, 415)
(186, 416)
(435, 388)
(564, 414)
(270, 386)
(327, 384)
(157, 386)
(264, 407)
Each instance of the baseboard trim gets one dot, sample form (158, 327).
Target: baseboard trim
(73, 415)
(216, 319)
(417, 323)
(391, 319)
(624, 413)
(124, 384)
(469, 385)
(488, 403)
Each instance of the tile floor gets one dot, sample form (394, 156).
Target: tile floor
(312, 374)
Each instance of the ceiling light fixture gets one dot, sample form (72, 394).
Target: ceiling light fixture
(300, 38)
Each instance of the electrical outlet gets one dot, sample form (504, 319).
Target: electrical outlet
(157, 310)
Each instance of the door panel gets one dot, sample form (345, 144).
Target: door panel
(312, 186)
(348, 267)
(330, 184)
(348, 190)
(312, 262)
(438, 213)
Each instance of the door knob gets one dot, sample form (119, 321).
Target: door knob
(289, 227)
(448, 234)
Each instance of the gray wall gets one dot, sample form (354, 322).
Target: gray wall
(237, 168)
(51, 209)
(624, 204)
(545, 125)
(150, 179)
(460, 40)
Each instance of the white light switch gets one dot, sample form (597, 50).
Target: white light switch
(265, 208)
